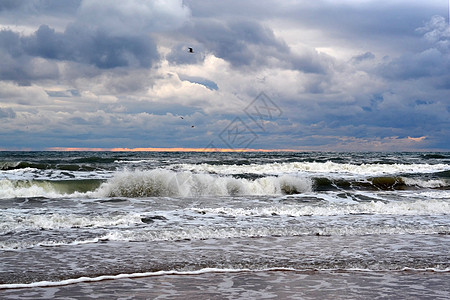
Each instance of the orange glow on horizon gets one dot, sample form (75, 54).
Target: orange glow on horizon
(417, 139)
(75, 149)
(179, 149)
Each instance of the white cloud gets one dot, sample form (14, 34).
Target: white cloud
(23, 95)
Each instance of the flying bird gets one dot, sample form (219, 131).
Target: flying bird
(191, 50)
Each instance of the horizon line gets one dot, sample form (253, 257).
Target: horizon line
(168, 149)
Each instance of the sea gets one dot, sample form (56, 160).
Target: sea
(224, 225)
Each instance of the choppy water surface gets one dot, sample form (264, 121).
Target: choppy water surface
(73, 217)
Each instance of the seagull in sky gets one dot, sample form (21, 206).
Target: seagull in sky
(191, 50)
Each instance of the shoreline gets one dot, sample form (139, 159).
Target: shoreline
(100, 278)
(281, 283)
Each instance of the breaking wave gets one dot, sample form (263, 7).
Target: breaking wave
(313, 168)
(46, 188)
(161, 182)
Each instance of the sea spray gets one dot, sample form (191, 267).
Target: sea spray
(161, 182)
(329, 168)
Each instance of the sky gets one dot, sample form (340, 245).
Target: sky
(323, 75)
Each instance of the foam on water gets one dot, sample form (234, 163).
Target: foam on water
(47, 188)
(53, 221)
(132, 275)
(85, 279)
(30, 173)
(421, 207)
(157, 182)
(206, 232)
(445, 194)
(15, 189)
(160, 182)
(229, 222)
(328, 167)
(431, 183)
(18, 245)
(191, 233)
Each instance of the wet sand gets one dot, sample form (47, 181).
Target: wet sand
(254, 285)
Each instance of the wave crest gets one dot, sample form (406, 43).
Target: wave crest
(161, 182)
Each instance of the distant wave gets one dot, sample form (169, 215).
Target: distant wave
(329, 168)
(17, 165)
(379, 183)
(417, 208)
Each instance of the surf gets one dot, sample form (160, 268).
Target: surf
(161, 182)
(330, 168)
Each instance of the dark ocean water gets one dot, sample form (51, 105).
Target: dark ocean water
(83, 217)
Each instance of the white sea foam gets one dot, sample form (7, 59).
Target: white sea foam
(160, 182)
(328, 167)
(35, 188)
(444, 194)
(431, 183)
(53, 174)
(42, 284)
(417, 208)
(14, 222)
(132, 275)
(208, 232)
(205, 232)
(11, 189)
(17, 245)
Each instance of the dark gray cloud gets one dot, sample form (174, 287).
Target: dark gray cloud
(30, 14)
(431, 62)
(11, 4)
(103, 34)
(246, 44)
(82, 45)
(18, 65)
(363, 57)
(180, 53)
(40, 6)
(14, 69)
(64, 94)
(133, 17)
(233, 41)
(378, 22)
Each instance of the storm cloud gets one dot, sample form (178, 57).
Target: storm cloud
(106, 35)
(346, 75)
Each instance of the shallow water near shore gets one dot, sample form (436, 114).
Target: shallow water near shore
(274, 284)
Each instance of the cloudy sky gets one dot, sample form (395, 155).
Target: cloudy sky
(331, 75)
